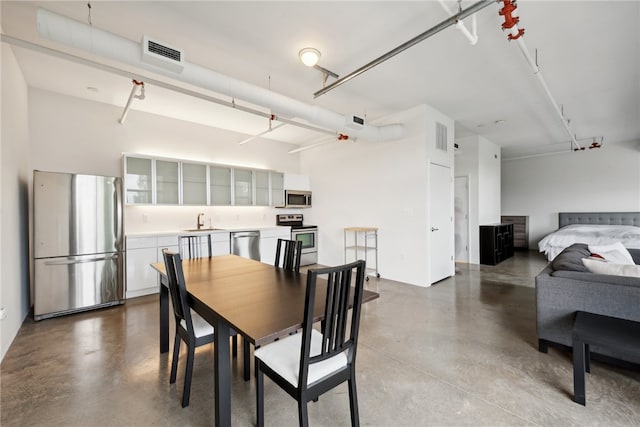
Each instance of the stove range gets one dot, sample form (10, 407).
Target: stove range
(295, 221)
(307, 234)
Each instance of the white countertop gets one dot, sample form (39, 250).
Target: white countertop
(217, 229)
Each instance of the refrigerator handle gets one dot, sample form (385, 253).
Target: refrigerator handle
(119, 216)
(80, 261)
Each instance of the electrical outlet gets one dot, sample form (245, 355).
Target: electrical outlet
(3, 313)
(145, 218)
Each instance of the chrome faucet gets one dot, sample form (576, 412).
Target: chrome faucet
(200, 220)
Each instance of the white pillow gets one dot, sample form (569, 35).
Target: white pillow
(615, 253)
(600, 267)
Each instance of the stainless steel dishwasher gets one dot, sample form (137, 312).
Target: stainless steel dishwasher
(246, 244)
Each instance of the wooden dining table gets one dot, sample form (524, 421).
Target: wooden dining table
(258, 301)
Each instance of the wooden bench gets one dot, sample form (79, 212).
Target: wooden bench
(603, 331)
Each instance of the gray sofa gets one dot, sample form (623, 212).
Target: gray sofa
(566, 286)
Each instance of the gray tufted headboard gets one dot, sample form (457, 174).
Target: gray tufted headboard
(602, 218)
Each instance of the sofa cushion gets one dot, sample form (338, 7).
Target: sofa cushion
(601, 267)
(570, 259)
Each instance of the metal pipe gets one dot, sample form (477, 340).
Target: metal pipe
(308, 147)
(536, 71)
(406, 45)
(134, 89)
(251, 138)
(471, 36)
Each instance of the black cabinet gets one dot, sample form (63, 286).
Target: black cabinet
(496, 243)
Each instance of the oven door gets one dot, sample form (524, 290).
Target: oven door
(309, 239)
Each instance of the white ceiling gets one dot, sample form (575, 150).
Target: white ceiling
(588, 52)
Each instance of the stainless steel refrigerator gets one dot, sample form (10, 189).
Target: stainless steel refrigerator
(78, 243)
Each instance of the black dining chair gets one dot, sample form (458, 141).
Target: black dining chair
(289, 258)
(190, 326)
(313, 362)
(193, 245)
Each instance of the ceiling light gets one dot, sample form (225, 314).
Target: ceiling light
(309, 56)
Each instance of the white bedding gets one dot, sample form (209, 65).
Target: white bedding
(553, 243)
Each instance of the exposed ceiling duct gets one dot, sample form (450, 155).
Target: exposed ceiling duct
(90, 39)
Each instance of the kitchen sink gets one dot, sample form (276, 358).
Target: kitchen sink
(195, 230)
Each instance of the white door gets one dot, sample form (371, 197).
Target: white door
(461, 218)
(441, 218)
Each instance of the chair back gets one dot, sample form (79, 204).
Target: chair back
(339, 330)
(290, 255)
(178, 289)
(194, 245)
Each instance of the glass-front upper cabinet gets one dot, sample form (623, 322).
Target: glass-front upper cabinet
(138, 178)
(262, 187)
(194, 184)
(220, 185)
(277, 189)
(243, 187)
(167, 182)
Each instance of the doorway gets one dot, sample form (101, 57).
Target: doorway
(461, 218)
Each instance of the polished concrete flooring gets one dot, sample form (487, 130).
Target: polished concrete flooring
(462, 352)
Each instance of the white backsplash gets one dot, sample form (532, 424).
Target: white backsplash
(142, 219)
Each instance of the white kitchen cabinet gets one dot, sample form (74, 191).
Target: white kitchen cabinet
(141, 278)
(220, 243)
(163, 181)
(277, 189)
(268, 240)
(243, 187)
(220, 185)
(194, 184)
(167, 182)
(262, 187)
(296, 182)
(138, 179)
(141, 252)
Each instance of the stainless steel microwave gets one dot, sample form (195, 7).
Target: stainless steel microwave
(297, 199)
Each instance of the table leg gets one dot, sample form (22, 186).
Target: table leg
(164, 318)
(579, 372)
(222, 374)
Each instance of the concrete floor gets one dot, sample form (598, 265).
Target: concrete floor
(462, 352)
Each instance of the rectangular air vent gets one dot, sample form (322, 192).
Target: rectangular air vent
(441, 137)
(162, 55)
(355, 122)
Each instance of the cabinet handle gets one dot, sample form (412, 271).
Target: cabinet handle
(434, 229)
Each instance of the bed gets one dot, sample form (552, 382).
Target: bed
(592, 228)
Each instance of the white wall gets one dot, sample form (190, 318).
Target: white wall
(488, 182)
(479, 160)
(378, 184)
(14, 233)
(605, 179)
(73, 135)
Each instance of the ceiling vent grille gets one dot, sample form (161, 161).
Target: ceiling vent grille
(162, 55)
(441, 137)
